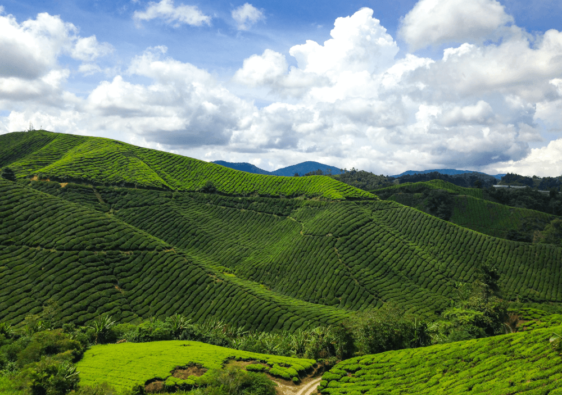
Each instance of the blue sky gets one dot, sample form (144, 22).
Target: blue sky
(402, 85)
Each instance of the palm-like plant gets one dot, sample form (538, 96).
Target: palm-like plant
(101, 326)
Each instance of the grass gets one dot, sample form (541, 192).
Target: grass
(128, 364)
(520, 363)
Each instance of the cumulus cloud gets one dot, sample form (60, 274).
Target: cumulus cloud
(353, 100)
(175, 16)
(246, 15)
(434, 22)
(31, 49)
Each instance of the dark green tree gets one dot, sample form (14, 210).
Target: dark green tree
(8, 174)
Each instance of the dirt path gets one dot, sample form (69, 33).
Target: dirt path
(310, 387)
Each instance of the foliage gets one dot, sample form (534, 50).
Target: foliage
(526, 198)
(99, 161)
(49, 376)
(235, 381)
(128, 364)
(361, 179)
(468, 208)
(388, 328)
(101, 327)
(8, 174)
(494, 365)
(466, 180)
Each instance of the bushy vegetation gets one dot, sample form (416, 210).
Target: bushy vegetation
(473, 209)
(99, 161)
(550, 203)
(524, 362)
(466, 180)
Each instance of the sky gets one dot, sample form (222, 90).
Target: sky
(384, 86)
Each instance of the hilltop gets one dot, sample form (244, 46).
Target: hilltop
(100, 161)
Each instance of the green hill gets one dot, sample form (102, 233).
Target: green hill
(470, 208)
(92, 263)
(520, 363)
(129, 364)
(262, 262)
(101, 161)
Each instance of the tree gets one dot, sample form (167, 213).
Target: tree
(209, 187)
(478, 184)
(8, 174)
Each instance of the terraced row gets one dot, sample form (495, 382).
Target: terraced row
(103, 161)
(519, 363)
(495, 219)
(90, 263)
(351, 255)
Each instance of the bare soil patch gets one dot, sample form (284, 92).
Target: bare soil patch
(186, 371)
(155, 386)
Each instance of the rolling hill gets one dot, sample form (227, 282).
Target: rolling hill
(101, 161)
(471, 209)
(519, 363)
(138, 233)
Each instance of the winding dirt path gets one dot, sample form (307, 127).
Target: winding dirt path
(309, 388)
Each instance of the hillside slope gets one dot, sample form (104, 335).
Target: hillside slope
(349, 255)
(130, 364)
(92, 263)
(103, 161)
(470, 210)
(519, 363)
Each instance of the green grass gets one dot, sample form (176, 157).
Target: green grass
(520, 363)
(128, 364)
(109, 162)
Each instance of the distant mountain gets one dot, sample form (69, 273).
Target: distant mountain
(450, 172)
(243, 166)
(305, 167)
(301, 168)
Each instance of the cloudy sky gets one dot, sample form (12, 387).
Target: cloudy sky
(385, 86)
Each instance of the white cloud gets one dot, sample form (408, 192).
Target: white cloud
(434, 22)
(352, 100)
(176, 16)
(246, 15)
(31, 49)
(545, 162)
(88, 49)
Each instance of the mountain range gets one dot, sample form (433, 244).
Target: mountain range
(310, 166)
(289, 171)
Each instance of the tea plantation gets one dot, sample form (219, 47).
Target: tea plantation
(519, 363)
(92, 263)
(262, 262)
(470, 209)
(103, 161)
(129, 364)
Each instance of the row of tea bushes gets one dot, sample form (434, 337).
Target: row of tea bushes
(520, 363)
(90, 263)
(103, 161)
